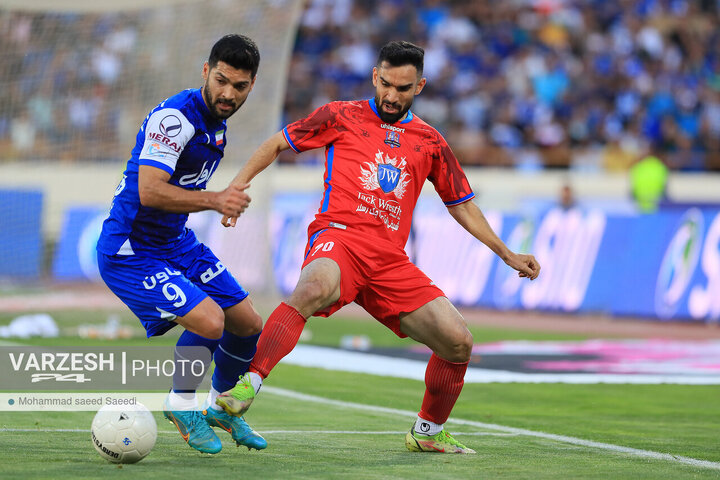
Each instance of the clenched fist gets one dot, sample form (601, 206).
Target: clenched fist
(233, 201)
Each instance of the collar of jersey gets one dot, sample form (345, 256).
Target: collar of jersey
(408, 118)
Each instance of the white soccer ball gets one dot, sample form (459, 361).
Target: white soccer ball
(123, 434)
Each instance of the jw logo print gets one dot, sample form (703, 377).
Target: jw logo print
(387, 174)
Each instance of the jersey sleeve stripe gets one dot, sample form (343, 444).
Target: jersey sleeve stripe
(290, 142)
(461, 200)
(156, 164)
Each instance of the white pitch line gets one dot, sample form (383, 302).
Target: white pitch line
(501, 428)
(407, 413)
(264, 432)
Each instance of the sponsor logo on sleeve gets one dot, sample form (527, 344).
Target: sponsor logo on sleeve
(163, 140)
(170, 126)
(154, 150)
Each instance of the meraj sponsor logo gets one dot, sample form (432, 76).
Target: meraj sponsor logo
(170, 126)
(164, 140)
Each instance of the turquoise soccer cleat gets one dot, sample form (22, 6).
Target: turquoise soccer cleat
(241, 432)
(194, 429)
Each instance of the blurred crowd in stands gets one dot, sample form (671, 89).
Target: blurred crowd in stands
(538, 83)
(525, 84)
(63, 79)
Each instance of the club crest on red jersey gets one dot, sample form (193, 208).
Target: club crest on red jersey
(392, 139)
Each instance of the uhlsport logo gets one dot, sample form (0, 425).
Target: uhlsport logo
(170, 126)
(679, 263)
(387, 174)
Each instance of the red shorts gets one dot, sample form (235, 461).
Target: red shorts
(375, 274)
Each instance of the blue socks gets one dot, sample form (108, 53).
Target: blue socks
(186, 352)
(232, 359)
(232, 355)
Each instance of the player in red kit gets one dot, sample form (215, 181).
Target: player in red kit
(378, 156)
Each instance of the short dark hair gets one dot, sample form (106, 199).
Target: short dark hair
(398, 54)
(236, 50)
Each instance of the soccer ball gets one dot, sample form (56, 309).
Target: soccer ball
(123, 434)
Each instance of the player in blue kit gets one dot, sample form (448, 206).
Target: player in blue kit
(156, 265)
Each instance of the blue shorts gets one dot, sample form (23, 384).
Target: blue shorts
(158, 290)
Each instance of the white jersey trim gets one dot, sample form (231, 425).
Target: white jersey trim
(126, 249)
(167, 132)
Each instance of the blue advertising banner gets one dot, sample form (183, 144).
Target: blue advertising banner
(664, 265)
(20, 233)
(76, 258)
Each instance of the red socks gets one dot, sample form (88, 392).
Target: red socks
(443, 384)
(443, 379)
(279, 336)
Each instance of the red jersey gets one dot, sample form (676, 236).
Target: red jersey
(374, 172)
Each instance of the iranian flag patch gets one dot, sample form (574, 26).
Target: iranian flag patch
(219, 137)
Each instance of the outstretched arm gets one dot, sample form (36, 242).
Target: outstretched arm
(472, 219)
(259, 161)
(156, 192)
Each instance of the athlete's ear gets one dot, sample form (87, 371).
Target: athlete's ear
(420, 85)
(206, 71)
(375, 76)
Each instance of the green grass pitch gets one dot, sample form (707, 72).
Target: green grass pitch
(325, 438)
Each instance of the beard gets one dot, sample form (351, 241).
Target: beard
(213, 105)
(391, 117)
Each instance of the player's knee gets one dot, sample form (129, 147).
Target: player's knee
(214, 329)
(315, 292)
(254, 324)
(461, 348)
(213, 323)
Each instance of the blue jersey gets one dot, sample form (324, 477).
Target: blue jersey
(181, 137)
